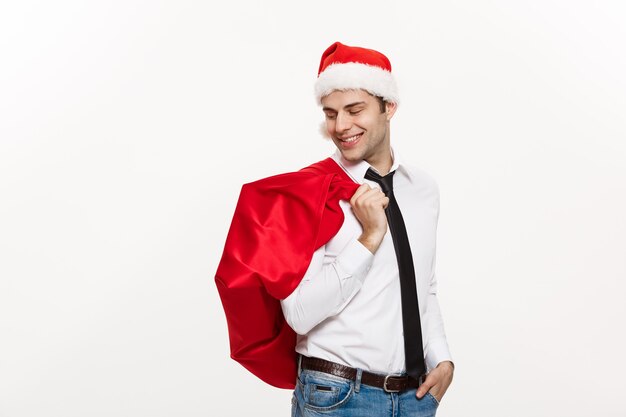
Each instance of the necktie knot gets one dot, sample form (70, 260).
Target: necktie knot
(385, 182)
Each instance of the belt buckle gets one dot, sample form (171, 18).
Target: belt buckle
(385, 385)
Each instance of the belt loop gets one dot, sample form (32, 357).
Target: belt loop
(357, 382)
(299, 364)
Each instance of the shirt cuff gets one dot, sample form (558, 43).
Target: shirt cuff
(354, 261)
(438, 352)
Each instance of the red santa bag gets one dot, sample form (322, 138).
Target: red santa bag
(277, 225)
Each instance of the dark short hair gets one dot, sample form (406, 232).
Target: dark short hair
(381, 103)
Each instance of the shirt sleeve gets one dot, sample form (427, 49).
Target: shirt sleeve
(327, 286)
(436, 349)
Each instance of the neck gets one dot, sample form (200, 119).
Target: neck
(381, 162)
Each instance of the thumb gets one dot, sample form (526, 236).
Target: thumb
(425, 387)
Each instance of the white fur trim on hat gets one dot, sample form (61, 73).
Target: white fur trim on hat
(353, 75)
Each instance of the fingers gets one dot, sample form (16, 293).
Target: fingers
(366, 194)
(428, 383)
(368, 205)
(436, 382)
(363, 188)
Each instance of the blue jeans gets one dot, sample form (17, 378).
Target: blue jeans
(321, 394)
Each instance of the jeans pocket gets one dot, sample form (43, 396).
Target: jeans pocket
(432, 397)
(323, 393)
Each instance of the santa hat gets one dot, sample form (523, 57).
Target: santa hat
(345, 67)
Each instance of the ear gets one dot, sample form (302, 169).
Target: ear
(390, 109)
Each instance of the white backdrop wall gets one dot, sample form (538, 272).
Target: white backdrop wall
(128, 127)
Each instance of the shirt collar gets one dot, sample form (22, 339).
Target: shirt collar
(357, 170)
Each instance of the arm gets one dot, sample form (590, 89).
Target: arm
(329, 284)
(327, 287)
(438, 358)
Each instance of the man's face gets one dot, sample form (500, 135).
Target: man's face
(356, 125)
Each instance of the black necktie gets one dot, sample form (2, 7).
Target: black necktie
(413, 349)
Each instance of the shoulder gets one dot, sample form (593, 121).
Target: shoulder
(320, 168)
(323, 167)
(307, 178)
(421, 178)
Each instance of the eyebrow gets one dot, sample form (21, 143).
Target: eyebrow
(346, 107)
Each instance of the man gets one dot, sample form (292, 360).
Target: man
(370, 337)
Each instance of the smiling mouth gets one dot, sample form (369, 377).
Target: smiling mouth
(351, 138)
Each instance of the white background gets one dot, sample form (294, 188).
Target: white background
(127, 129)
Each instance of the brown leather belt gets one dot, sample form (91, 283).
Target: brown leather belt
(389, 383)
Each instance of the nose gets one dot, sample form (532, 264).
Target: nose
(343, 122)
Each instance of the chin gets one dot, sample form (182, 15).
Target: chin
(352, 156)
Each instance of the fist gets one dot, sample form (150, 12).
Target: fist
(368, 205)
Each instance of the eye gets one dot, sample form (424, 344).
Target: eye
(355, 112)
(331, 116)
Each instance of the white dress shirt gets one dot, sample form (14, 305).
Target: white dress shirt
(347, 308)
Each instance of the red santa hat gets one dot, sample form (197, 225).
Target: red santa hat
(345, 67)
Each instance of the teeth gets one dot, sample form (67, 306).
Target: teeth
(352, 138)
